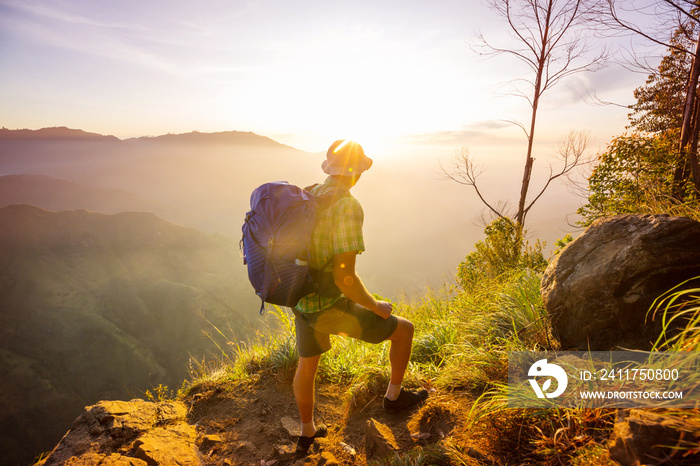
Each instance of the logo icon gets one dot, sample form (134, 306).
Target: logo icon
(543, 369)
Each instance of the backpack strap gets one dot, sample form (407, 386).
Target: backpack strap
(323, 279)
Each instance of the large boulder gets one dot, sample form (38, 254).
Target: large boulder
(599, 289)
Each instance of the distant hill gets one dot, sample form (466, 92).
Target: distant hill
(97, 306)
(60, 133)
(56, 194)
(225, 137)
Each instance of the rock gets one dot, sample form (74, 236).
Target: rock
(118, 460)
(348, 449)
(292, 427)
(285, 452)
(174, 445)
(327, 459)
(169, 412)
(247, 446)
(114, 459)
(599, 289)
(643, 437)
(320, 443)
(209, 441)
(129, 433)
(379, 440)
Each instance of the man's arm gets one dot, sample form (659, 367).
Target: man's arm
(352, 287)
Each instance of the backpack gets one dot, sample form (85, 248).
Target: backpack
(276, 241)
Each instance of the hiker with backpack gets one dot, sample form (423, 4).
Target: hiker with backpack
(300, 247)
(351, 310)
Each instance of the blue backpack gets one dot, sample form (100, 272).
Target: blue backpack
(276, 240)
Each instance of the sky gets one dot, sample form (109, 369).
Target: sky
(387, 73)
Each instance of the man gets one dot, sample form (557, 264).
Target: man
(336, 242)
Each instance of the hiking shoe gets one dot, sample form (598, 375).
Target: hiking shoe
(304, 443)
(407, 399)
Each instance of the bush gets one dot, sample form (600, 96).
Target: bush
(501, 251)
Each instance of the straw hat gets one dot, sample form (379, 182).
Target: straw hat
(345, 158)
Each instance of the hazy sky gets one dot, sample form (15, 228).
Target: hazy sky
(303, 72)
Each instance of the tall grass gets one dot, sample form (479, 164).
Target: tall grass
(506, 315)
(660, 204)
(679, 310)
(461, 340)
(461, 344)
(522, 308)
(680, 317)
(270, 351)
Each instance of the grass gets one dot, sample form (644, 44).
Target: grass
(656, 204)
(461, 346)
(679, 308)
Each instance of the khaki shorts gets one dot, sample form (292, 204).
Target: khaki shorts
(344, 318)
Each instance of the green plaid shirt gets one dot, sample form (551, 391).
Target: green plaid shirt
(338, 230)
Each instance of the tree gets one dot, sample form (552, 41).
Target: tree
(679, 15)
(634, 175)
(660, 102)
(638, 172)
(550, 37)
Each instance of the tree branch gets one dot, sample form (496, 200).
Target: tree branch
(465, 172)
(571, 150)
(631, 28)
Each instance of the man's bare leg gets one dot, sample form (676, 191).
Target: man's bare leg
(304, 382)
(400, 352)
(397, 399)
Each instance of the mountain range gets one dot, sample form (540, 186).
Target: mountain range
(63, 133)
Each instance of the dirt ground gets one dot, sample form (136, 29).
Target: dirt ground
(240, 423)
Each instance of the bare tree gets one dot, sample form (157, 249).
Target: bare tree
(570, 153)
(671, 15)
(552, 37)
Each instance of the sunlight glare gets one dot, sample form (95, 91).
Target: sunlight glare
(355, 85)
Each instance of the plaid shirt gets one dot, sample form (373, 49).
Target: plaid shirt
(338, 230)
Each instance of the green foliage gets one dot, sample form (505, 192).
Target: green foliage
(634, 175)
(161, 393)
(502, 250)
(646, 172)
(440, 454)
(561, 243)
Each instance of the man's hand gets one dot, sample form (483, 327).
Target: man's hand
(384, 309)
